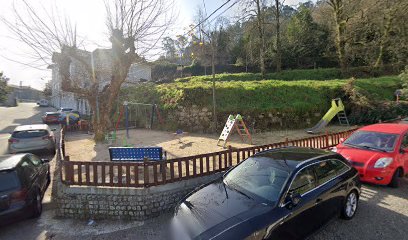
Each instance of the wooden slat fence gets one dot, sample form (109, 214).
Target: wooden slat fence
(149, 173)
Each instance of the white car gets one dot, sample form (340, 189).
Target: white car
(27, 138)
(43, 103)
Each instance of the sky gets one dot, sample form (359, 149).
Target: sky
(89, 17)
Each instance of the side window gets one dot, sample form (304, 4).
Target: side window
(404, 143)
(27, 169)
(324, 172)
(339, 166)
(304, 181)
(35, 160)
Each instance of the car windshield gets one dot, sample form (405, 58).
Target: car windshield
(8, 181)
(372, 140)
(259, 176)
(30, 134)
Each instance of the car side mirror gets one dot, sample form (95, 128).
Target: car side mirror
(341, 140)
(292, 200)
(402, 151)
(45, 160)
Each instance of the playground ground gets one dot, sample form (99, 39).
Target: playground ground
(81, 147)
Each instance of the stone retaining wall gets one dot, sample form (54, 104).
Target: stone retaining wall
(122, 203)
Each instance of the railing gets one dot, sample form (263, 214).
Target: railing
(149, 173)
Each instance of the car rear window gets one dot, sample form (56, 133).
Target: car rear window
(53, 114)
(30, 134)
(8, 181)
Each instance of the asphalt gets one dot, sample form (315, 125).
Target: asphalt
(382, 212)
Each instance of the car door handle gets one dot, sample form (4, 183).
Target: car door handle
(319, 200)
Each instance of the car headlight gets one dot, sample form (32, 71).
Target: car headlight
(383, 162)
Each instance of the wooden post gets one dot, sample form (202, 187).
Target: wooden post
(145, 172)
(286, 142)
(229, 156)
(327, 139)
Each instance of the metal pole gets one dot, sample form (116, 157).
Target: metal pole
(126, 119)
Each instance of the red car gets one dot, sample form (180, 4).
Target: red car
(379, 152)
(51, 118)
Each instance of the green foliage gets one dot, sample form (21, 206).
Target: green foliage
(301, 74)
(4, 90)
(404, 79)
(245, 96)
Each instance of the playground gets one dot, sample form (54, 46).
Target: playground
(81, 147)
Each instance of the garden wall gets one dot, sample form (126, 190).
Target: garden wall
(88, 202)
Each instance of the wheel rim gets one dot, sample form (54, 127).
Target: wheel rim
(38, 200)
(351, 204)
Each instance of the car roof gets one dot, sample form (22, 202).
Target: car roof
(290, 158)
(394, 128)
(31, 127)
(8, 162)
(52, 113)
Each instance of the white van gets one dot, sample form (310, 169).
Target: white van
(43, 103)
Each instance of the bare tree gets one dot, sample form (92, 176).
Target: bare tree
(278, 36)
(135, 27)
(255, 8)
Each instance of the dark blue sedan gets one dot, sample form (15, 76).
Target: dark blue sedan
(285, 193)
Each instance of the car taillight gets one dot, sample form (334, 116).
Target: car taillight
(47, 137)
(19, 196)
(13, 140)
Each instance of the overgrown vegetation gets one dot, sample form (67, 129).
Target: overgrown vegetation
(293, 99)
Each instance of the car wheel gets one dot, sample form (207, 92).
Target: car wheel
(350, 206)
(37, 205)
(395, 181)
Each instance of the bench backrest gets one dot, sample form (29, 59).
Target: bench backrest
(135, 154)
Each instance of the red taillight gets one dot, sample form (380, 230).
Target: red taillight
(19, 196)
(13, 140)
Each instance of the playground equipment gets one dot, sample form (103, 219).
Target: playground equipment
(141, 111)
(237, 123)
(337, 108)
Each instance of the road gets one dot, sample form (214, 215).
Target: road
(382, 213)
(25, 113)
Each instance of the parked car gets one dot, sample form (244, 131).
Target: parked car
(285, 193)
(379, 152)
(43, 103)
(51, 118)
(27, 138)
(24, 179)
(65, 110)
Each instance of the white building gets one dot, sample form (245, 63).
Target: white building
(101, 58)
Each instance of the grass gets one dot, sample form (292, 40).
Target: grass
(267, 95)
(288, 75)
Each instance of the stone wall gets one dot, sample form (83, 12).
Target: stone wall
(199, 119)
(122, 203)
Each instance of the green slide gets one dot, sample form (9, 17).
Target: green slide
(336, 107)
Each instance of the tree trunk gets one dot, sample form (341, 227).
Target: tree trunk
(261, 38)
(278, 38)
(384, 40)
(340, 27)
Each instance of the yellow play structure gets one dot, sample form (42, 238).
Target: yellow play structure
(337, 108)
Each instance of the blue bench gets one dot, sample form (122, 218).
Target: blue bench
(136, 154)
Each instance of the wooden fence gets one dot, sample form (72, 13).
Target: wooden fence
(148, 173)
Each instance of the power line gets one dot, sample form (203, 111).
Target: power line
(205, 19)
